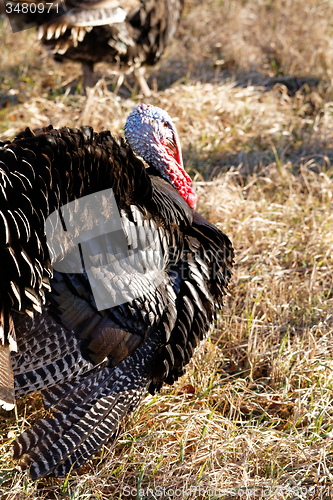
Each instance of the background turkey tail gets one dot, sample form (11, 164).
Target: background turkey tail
(86, 413)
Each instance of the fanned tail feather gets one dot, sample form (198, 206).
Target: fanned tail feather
(7, 344)
(7, 394)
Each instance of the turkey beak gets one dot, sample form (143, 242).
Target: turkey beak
(172, 146)
(175, 147)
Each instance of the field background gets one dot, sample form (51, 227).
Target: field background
(249, 84)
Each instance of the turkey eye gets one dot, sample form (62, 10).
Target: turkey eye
(166, 124)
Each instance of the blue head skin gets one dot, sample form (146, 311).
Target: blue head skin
(151, 134)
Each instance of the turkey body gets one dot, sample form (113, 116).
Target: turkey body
(127, 34)
(94, 366)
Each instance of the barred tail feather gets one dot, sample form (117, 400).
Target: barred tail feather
(48, 354)
(94, 438)
(86, 417)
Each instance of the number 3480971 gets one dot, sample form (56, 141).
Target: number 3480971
(30, 7)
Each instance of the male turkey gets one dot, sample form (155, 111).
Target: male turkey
(128, 34)
(94, 339)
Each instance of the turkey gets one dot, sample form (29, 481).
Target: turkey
(109, 279)
(128, 34)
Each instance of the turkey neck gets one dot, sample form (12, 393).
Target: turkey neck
(171, 168)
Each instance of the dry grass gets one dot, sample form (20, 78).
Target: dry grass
(252, 417)
(259, 37)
